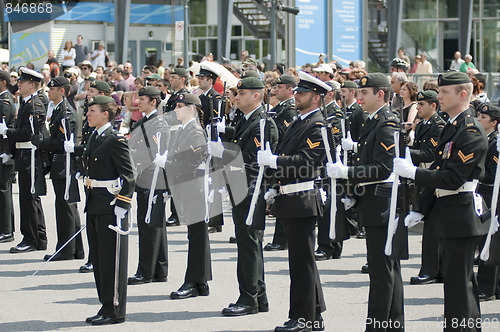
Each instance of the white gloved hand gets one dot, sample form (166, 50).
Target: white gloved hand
(160, 160)
(221, 125)
(336, 170)
(3, 127)
(496, 225)
(267, 158)
(211, 196)
(404, 168)
(270, 194)
(413, 218)
(5, 157)
(120, 212)
(347, 143)
(348, 202)
(216, 149)
(69, 146)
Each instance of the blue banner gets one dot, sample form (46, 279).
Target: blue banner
(29, 47)
(310, 31)
(347, 30)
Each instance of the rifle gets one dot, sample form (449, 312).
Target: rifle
(343, 126)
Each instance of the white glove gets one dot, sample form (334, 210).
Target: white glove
(347, 143)
(3, 127)
(404, 168)
(413, 218)
(120, 212)
(5, 157)
(221, 125)
(337, 170)
(160, 160)
(348, 202)
(496, 225)
(211, 196)
(270, 194)
(69, 146)
(267, 158)
(216, 149)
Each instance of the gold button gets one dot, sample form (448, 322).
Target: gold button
(359, 144)
(357, 159)
(366, 143)
(440, 152)
(437, 167)
(95, 159)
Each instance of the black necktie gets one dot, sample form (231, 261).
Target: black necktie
(92, 139)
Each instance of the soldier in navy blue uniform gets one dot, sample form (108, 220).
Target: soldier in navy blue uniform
(7, 114)
(373, 163)
(67, 215)
(422, 152)
(32, 217)
(109, 183)
(458, 164)
(297, 164)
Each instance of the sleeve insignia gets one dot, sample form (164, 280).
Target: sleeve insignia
(194, 150)
(311, 144)
(286, 123)
(124, 199)
(335, 130)
(156, 140)
(391, 124)
(495, 159)
(441, 126)
(387, 148)
(61, 129)
(465, 158)
(216, 112)
(434, 143)
(257, 143)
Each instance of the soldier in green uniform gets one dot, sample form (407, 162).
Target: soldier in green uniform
(458, 164)
(8, 115)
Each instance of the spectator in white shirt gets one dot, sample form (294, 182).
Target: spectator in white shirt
(99, 56)
(424, 67)
(457, 62)
(68, 55)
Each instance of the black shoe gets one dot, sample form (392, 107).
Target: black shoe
(319, 323)
(139, 279)
(264, 307)
(107, 321)
(22, 247)
(364, 268)
(292, 326)
(6, 237)
(238, 309)
(422, 280)
(86, 268)
(321, 255)
(59, 257)
(215, 229)
(173, 221)
(274, 247)
(203, 289)
(188, 289)
(42, 246)
(90, 319)
(483, 297)
(160, 279)
(79, 255)
(477, 260)
(232, 239)
(361, 235)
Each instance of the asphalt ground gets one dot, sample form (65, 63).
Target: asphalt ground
(59, 298)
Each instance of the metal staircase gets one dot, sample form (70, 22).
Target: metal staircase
(256, 17)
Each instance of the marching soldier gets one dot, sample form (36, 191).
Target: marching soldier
(153, 246)
(30, 111)
(284, 114)
(109, 186)
(188, 151)
(427, 134)
(458, 164)
(7, 114)
(298, 204)
(373, 164)
(246, 139)
(67, 215)
(355, 113)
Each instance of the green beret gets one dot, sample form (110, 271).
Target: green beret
(374, 80)
(349, 85)
(100, 100)
(58, 81)
(286, 79)
(149, 91)
(155, 77)
(101, 86)
(189, 99)
(250, 83)
(90, 78)
(249, 73)
(180, 71)
(426, 95)
(452, 78)
(489, 109)
(4, 75)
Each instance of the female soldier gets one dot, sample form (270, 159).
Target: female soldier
(109, 186)
(188, 151)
